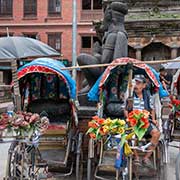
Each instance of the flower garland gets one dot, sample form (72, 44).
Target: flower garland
(23, 123)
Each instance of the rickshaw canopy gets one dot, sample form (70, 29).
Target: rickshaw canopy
(140, 67)
(48, 65)
(172, 65)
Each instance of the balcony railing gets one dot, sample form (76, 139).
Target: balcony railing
(89, 15)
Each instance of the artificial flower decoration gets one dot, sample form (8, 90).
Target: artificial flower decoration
(99, 127)
(138, 119)
(23, 123)
(175, 105)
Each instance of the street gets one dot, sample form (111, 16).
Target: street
(170, 166)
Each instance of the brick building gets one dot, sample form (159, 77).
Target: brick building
(153, 26)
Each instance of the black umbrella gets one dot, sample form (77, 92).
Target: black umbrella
(16, 48)
(22, 47)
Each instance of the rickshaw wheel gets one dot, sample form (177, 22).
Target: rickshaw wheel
(15, 168)
(14, 164)
(79, 158)
(160, 160)
(10, 163)
(178, 167)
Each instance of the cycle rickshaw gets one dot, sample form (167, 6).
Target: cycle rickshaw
(171, 126)
(48, 90)
(110, 91)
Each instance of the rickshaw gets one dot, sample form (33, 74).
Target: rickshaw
(110, 91)
(49, 91)
(172, 119)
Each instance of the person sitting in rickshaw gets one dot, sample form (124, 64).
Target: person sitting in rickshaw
(141, 101)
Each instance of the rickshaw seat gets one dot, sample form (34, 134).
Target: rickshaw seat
(58, 111)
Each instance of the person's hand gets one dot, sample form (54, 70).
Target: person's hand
(155, 122)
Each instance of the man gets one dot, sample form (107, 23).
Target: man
(162, 77)
(142, 100)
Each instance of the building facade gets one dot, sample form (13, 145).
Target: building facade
(153, 26)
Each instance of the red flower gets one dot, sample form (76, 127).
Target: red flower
(146, 123)
(2, 127)
(132, 121)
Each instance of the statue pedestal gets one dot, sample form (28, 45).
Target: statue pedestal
(83, 100)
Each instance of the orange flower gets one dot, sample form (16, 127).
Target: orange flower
(92, 124)
(132, 121)
(102, 132)
(100, 121)
(146, 123)
(131, 114)
(92, 135)
(95, 118)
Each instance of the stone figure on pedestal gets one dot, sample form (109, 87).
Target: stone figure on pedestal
(114, 40)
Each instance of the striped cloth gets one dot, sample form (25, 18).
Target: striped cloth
(139, 103)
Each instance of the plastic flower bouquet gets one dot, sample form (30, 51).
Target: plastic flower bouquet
(23, 124)
(139, 120)
(100, 127)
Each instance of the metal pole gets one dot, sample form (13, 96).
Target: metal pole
(74, 37)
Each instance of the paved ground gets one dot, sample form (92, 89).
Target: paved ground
(170, 167)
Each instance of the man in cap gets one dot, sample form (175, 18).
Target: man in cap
(141, 101)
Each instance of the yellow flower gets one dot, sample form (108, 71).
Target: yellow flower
(120, 130)
(114, 130)
(108, 122)
(121, 122)
(105, 129)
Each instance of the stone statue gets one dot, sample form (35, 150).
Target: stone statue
(114, 40)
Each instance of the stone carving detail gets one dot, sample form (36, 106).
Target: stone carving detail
(114, 40)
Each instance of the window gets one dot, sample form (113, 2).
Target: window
(88, 41)
(54, 7)
(91, 4)
(31, 35)
(6, 8)
(54, 40)
(97, 4)
(30, 8)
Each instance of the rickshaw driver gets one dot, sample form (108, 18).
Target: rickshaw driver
(142, 100)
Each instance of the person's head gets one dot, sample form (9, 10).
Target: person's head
(162, 71)
(140, 83)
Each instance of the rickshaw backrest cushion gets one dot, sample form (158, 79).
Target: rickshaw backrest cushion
(54, 109)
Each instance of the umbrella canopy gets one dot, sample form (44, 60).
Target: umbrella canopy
(172, 65)
(23, 47)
